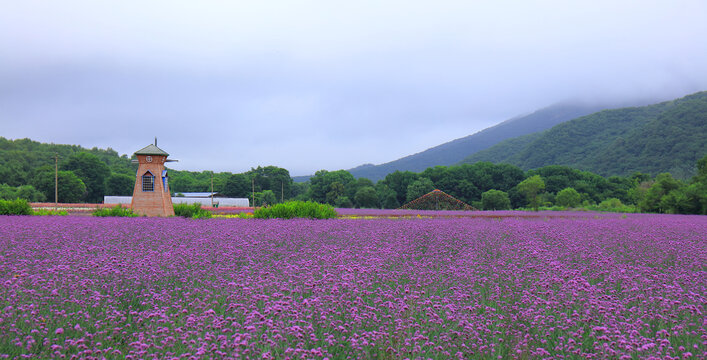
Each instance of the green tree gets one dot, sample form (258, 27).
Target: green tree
(300, 191)
(568, 197)
(353, 187)
(691, 199)
(27, 192)
(238, 186)
(268, 197)
(186, 181)
(92, 171)
(466, 182)
(531, 187)
(663, 185)
(320, 184)
(495, 200)
(418, 188)
(366, 197)
(336, 190)
(698, 188)
(272, 178)
(265, 198)
(120, 184)
(386, 196)
(343, 202)
(71, 188)
(701, 175)
(399, 181)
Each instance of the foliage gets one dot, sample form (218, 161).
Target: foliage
(387, 196)
(366, 197)
(681, 198)
(613, 205)
(15, 207)
(49, 212)
(120, 185)
(244, 215)
(321, 190)
(418, 188)
(237, 186)
(343, 202)
(300, 190)
(194, 181)
(296, 209)
(92, 171)
(336, 191)
(568, 197)
(193, 211)
(466, 182)
(668, 136)
(531, 187)
(71, 188)
(20, 159)
(265, 198)
(353, 187)
(272, 178)
(495, 200)
(398, 182)
(592, 186)
(27, 192)
(116, 211)
(663, 185)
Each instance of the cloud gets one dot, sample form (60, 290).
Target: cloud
(314, 84)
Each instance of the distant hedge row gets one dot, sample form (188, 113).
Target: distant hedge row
(116, 211)
(15, 207)
(193, 211)
(296, 209)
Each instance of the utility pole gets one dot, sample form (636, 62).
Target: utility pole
(56, 181)
(212, 189)
(252, 181)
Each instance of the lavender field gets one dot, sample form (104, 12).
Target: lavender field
(589, 286)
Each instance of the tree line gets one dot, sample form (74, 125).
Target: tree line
(84, 175)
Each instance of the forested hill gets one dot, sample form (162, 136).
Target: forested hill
(19, 159)
(665, 137)
(455, 151)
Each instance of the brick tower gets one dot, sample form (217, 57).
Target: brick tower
(151, 192)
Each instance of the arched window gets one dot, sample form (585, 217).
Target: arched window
(165, 180)
(148, 182)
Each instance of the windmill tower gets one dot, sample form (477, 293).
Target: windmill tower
(151, 195)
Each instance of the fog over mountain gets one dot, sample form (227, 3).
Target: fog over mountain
(322, 85)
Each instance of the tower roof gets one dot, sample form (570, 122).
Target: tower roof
(151, 150)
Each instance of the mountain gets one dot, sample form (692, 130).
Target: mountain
(455, 151)
(664, 137)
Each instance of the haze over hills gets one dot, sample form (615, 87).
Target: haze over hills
(455, 151)
(664, 137)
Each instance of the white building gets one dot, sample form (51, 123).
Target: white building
(203, 198)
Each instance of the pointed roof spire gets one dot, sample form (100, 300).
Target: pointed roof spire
(151, 150)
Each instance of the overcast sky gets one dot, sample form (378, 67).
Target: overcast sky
(309, 85)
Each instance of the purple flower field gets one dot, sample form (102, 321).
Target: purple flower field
(591, 286)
